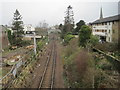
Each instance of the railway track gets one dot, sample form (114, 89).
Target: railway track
(48, 77)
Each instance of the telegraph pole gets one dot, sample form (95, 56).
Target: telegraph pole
(34, 43)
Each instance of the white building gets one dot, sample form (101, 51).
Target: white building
(28, 28)
(106, 28)
(104, 31)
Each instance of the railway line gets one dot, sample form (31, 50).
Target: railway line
(45, 73)
(47, 79)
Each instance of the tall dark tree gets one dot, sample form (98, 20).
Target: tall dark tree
(69, 20)
(17, 27)
(79, 25)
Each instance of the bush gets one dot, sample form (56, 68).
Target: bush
(94, 40)
(39, 45)
(78, 67)
(71, 48)
(25, 43)
(107, 47)
(10, 37)
(84, 35)
(67, 38)
(81, 62)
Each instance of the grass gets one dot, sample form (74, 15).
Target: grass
(4, 71)
(23, 79)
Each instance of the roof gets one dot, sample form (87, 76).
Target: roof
(107, 19)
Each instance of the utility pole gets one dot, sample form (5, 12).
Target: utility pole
(34, 43)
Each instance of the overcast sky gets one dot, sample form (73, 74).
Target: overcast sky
(53, 11)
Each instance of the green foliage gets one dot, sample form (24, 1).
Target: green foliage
(40, 45)
(108, 47)
(94, 40)
(79, 25)
(10, 37)
(78, 69)
(66, 29)
(69, 66)
(25, 43)
(84, 35)
(17, 26)
(67, 38)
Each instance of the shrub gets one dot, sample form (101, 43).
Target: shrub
(107, 47)
(39, 45)
(84, 35)
(81, 62)
(94, 40)
(67, 38)
(10, 37)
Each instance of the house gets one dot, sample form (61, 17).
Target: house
(107, 29)
(4, 42)
(28, 29)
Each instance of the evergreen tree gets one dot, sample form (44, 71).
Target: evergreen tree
(69, 20)
(79, 25)
(17, 27)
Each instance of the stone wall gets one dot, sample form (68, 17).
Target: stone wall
(4, 43)
(115, 32)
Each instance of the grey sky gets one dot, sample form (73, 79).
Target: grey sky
(52, 11)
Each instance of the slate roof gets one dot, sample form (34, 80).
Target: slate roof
(107, 19)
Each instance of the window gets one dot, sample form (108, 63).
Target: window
(102, 30)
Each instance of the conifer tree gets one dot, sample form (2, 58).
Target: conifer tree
(17, 27)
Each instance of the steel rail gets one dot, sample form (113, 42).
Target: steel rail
(46, 67)
(53, 68)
